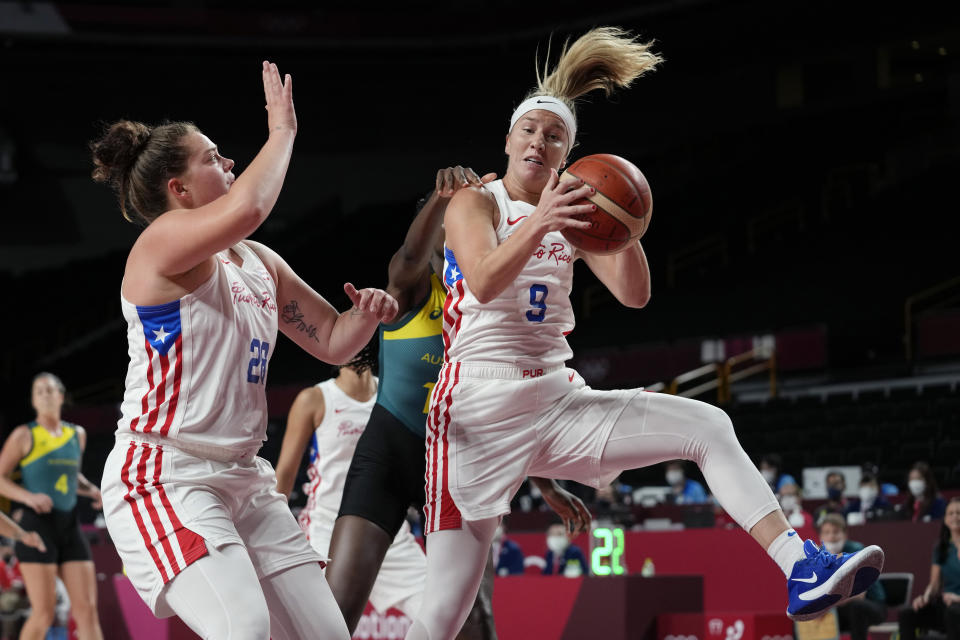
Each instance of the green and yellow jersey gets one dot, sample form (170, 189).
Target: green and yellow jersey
(413, 349)
(52, 465)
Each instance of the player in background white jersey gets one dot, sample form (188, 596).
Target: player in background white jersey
(195, 515)
(505, 406)
(331, 416)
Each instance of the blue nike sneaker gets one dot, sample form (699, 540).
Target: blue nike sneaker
(823, 580)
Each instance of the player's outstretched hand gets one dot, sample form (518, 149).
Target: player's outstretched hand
(33, 539)
(556, 210)
(373, 301)
(452, 179)
(279, 96)
(576, 517)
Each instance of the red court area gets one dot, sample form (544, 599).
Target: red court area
(710, 584)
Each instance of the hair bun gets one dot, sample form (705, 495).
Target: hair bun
(116, 151)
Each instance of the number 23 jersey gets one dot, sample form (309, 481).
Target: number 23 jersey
(527, 323)
(198, 365)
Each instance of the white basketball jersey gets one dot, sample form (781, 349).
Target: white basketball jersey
(530, 319)
(331, 449)
(198, 365)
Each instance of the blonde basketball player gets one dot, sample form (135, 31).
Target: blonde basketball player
(194, 513)
(506, 406)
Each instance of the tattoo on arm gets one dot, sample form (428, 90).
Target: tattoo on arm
(293, 315)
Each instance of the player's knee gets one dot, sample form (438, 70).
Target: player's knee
(43, 614)
(713, 429)
(84, 614)
(717, 424)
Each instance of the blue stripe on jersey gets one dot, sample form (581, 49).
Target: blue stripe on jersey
(314, 447)
(161, 325)
(452, 274)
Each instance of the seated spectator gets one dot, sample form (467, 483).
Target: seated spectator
(506, 553)
(856, 615)
(683, 490)
(927, 502)
(610, 507)
(770, 465)
(938, 607)
(836, 503)
(563, 558)
(869, 504)
(886, 488)
(793, 507)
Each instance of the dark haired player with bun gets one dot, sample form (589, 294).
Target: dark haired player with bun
(506, 406)
(193, 511)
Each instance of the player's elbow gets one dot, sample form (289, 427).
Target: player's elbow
(483, 296)
(339, 357)
(636, 299)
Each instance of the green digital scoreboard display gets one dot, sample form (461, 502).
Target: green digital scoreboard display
(606, 551)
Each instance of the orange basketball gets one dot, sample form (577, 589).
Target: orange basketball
(623, 199)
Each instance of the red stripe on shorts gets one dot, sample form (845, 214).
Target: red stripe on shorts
(431, 453)
(445, 514)
(449, 513)
(136, 512)
(151, 509)
(192, 545)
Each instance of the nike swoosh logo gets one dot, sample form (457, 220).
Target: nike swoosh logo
(790, 534)
(810, 580)
(571, 377)
(513, 222)
(546, 102)
(339, 410)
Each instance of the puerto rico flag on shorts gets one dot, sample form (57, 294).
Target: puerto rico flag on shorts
(163, 345)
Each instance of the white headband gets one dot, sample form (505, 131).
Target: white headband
(551, 104)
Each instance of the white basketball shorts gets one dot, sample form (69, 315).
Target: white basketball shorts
(489, 427)
(163, 506)
(403, 572)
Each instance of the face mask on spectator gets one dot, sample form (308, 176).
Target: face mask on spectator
(796, 519)
(834, 547)
(789, 502)
(674, 476)
(557, 544)
(769, 475)
(834, 493)
(868, 496)
(917, 487)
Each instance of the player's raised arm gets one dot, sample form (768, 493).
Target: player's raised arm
(407, 272)
(196, 207)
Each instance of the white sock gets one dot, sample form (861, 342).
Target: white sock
(785, 550)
